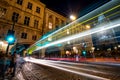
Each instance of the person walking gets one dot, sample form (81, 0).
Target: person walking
(19, 63)
(13, 64)
(5, 62)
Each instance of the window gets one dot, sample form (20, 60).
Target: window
(29, 5)
(19, 2)
(24, 35)
(34, 37)
(36, 23)
(50, 25)
(15, 17)
(26, 20)
(38, 10)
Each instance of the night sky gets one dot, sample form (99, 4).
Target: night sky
(76, 7)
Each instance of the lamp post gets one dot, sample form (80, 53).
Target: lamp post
(10, 38)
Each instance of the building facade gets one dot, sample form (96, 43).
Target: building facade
(53, 20)
(27, 18)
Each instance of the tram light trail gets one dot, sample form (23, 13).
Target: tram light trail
(83, 34)
(60, 67)
(87, 17)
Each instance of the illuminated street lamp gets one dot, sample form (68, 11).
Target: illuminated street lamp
(72, 17)
(88, 27)
(68, 42)
(68, 32)
(115, 48)
(93, 48)
(50, 39)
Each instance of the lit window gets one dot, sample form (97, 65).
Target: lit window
(50, 25)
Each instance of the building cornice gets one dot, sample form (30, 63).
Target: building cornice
(55, 13)
(38, 1)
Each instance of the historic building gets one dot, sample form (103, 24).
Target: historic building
(53, 20)
(30, 19)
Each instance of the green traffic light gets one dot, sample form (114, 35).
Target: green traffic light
(84, 52)
(10, 39)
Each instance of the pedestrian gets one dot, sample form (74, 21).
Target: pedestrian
(5, 62)
(1, 65)
(11, 67)
(19, 62)
(13, 64)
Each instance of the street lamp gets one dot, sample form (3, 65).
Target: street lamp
(10, 37)
(88, 26)
(72, 17)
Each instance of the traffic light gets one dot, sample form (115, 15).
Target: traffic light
(10, 38)
(84, 52)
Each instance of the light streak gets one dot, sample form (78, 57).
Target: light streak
(86, 16)
(83, 34)
(78, 68)
(48, 63)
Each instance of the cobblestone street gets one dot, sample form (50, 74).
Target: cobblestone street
(35, 72)
(37, 69)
